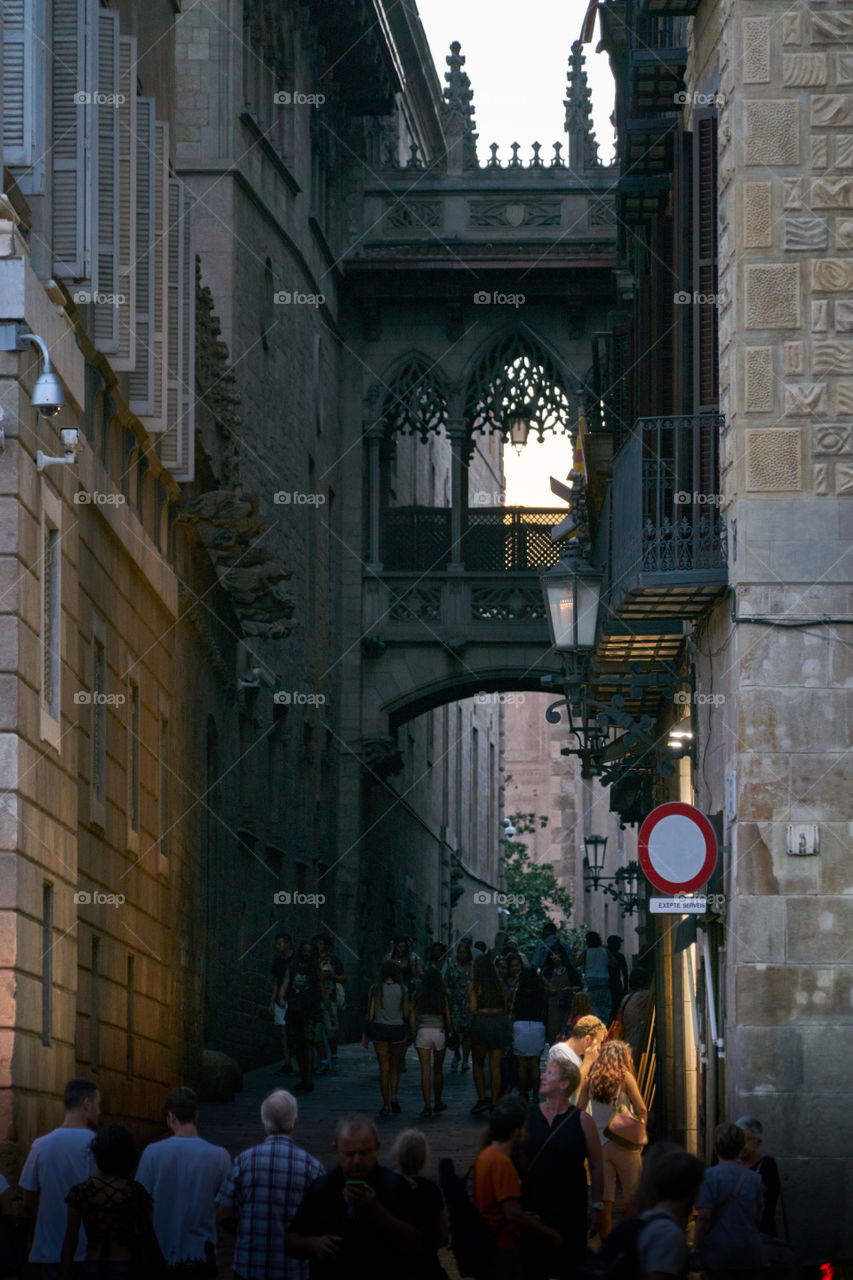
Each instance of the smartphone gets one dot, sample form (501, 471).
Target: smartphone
(356, 1182)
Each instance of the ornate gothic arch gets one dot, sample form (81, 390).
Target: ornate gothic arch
(416, 399)
(517, 378)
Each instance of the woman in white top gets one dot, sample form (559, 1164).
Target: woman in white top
(595, 964)
(388, 1026)
(611, 1083)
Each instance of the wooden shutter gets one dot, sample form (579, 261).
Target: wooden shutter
(72, 132)
(128, 161)
(177, 444)
(105, 283)
(706, 354)
(18, 85)
(156, 419)
(141, 380)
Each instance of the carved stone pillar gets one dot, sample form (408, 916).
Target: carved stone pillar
(374, 476)
(459, 445)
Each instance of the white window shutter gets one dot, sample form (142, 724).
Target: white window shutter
(125, 354)
(71, 135)
(18, 88)
(155, 420)
(107, 188)
(141, 380)
(177, 443)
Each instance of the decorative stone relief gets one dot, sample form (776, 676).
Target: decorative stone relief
(833, 357)
(832, 193)
(827, 28)
(602, 213)
(820, 151)
(773, 296)
(844, 398)
(772, 131)
(832, 275)
(805, 398)
(820, 315)
(844, 478)
(844, 68)
(499, 213)
(805, 233)
(844, 233)
(414, 215)
(756, 50)
(792, 193)
(844, 151)
(844, 315)
(795, 358)
(757, 215)
(792, 27)
(801, 69)
(758, 379)
(773, 460)
(833, 110)
(832, 440)
(820, 478)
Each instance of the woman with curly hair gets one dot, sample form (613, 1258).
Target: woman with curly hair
(611, 1084)
(489, 1030)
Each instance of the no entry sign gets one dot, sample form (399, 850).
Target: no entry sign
(677, 848)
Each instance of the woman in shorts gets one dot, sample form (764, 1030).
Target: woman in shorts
(388, 1026)
(528, 1029)
(431, 1022)
(489, 1030)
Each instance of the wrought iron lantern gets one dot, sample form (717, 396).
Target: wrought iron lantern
(595, 847)
(519, 429)
(572, 593)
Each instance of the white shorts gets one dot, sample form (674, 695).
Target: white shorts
(528, 1039)
(430, 1038)
(279, 1014)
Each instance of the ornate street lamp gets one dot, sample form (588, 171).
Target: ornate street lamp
(519, 429)
(572, 594)
(595, 848)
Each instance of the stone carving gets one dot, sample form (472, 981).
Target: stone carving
(583, 148)
(820, 477)
(414, 215)
(756, 50)
(758, 379)
(828, 28)
(832, 275)
(773, 296)
(832, 110)
(458, 109)
(772, 131)
(832, 440)
(844, 151)
(844, 233)
(805, 398)
(602, 213)
(805, 233)
(802, 69)
(792, 27)
(820, 151)
(833, 357)
(844, 68)
(792, 189)
(795, 358)
(844, 315)
(421, 603)
(498, 213)
(493, 604)
(844, 398)
(820, 315)
(832, 193)
(757, 215)
(773, 460)
(844, 478)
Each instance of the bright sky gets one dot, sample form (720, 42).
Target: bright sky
(517, 58)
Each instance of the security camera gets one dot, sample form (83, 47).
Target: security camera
(48, 396)
(71, 441)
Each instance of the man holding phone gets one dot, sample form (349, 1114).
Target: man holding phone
(357, 1218)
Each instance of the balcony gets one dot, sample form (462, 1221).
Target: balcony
(494, 540)
(656, 63)
(671, 8)
(668, 550)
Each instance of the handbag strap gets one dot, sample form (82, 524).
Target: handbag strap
(729, 1198)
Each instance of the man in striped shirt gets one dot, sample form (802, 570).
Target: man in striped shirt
(263, 1192)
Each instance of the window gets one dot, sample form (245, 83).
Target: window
(132, 765)
(46, 963)
(51, 617)
(98, 732)
(706, 394)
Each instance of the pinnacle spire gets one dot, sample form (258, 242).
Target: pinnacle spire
(583, 148)
(458, 110)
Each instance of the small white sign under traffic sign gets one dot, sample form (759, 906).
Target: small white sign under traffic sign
(677, 906)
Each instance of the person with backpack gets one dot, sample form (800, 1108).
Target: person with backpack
(730, 1204)
(497, 1192)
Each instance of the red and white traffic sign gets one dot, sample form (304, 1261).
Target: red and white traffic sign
(677, 848)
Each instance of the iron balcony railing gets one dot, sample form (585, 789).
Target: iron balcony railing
(666, 504)
(494, 539)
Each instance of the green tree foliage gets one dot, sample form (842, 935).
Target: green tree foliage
(535, 895)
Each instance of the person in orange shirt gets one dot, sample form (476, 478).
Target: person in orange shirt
(497, 1191)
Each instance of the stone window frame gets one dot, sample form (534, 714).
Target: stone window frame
(132, 760)
(50, 628)
(99, 717)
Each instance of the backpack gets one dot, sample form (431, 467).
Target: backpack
(472, 1240)
(617, 1259)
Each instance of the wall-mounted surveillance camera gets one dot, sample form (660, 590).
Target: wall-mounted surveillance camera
(71, 443)
(48, 396)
